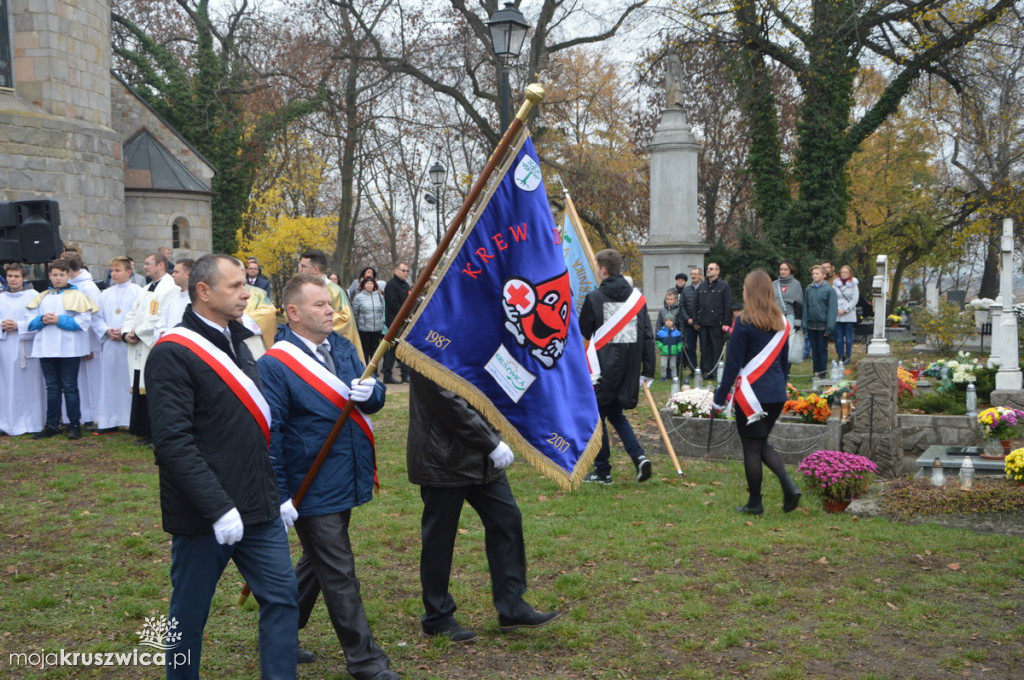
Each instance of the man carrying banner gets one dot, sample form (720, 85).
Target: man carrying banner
(455, 456)
(621, 355)
(218, 492)
(306, 378)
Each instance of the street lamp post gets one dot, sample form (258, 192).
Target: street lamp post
(508, 29)
(437, 173)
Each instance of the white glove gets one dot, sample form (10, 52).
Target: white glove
(717, 408)
(361, 390)
(289, 514)
(502, 456)
(646, 382)
(228, 529)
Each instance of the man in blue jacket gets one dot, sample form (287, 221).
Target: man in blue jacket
(307, 377)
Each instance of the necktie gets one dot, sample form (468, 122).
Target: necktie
(227, 336)
(325, 355)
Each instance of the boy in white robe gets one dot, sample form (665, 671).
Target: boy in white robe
(23, 408)
(90, 371)
(60, 316)
(114, 407)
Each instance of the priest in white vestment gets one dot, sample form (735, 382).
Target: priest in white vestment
(142, 328)
(23, 405)
(114, 407)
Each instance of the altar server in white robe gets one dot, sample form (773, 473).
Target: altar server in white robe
(61, 316)
(23, 405)
(90, 371)
(114, 407)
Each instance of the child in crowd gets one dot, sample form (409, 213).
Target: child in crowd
(670, 343)
(671, 308)
(60, 317)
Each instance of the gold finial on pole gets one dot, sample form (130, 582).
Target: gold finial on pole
(534, 95)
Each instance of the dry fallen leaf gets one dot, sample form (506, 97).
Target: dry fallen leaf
(823, 560)
(953, 566)
(890, 605)
(749, 524)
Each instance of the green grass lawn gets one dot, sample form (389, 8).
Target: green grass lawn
(659, 580)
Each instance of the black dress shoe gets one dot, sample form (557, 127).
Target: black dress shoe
(533, 620)
(387, 674)
(74, 431)
(455, 633)
(48, 431)
(305, 656)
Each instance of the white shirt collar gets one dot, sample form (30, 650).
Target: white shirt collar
(220, 329)
(310, 345)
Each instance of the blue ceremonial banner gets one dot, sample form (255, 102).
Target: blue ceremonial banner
(499, 329)
(582, 279)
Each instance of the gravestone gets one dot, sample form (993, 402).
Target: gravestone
(875, 432)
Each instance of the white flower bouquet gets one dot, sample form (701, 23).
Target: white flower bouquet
(692, 402)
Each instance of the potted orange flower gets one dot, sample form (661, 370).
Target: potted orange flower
(813, 408)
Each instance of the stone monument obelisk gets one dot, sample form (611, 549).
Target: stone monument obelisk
(673, 242)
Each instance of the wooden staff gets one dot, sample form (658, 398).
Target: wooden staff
(661, 428)
(534, 95)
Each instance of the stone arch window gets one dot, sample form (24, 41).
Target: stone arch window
(6, 72)
(179, 232)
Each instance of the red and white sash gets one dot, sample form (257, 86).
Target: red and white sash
(224, 366)
(754, 369)
(326, 384)
(610, 328)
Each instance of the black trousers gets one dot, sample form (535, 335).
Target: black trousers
(138, 423)
(503, 540)
(389, 365)
(327, 563)
(712, 340)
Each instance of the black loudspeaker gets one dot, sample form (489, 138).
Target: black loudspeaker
(39, 230)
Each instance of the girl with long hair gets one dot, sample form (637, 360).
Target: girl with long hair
(758, 364)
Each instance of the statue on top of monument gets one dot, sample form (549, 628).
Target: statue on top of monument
(673, 81)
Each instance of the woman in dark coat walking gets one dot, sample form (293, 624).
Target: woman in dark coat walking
(758, 364)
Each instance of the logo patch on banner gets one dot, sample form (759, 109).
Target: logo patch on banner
(527, 174)
(538, 315)
(511, 375)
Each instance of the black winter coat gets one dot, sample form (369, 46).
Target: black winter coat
(449, 441)
(630, 351)
(394, 297)
(688, 303)
(211, 454)
(714, 304)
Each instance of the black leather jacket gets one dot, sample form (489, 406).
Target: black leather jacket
(449, 441)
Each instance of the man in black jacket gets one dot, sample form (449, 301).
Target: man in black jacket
(455, 456)
(688, 307)
(254, 277)
(714, 317)
(621, 357)
(218, 492)
(395, 293)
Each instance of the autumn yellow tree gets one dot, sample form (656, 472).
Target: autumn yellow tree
(895, 207)
(283, 216)
(584, 139)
